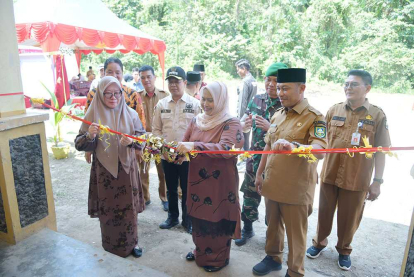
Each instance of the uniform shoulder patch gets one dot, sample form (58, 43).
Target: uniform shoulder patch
(320, 131)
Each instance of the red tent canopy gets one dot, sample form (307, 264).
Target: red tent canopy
(86, 26)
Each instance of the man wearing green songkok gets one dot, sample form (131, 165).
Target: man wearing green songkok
(257, 117)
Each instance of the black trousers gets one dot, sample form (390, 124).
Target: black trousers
(246, 145)
(175, 174)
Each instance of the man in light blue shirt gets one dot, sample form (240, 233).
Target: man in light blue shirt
(136, 83)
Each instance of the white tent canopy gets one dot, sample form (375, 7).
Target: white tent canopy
(84, 25)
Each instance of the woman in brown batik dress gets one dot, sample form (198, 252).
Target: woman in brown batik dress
(213, 183)
(115, 191)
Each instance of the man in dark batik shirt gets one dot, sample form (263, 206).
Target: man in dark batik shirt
(257, 117)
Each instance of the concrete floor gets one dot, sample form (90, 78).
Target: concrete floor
(51, 254)
(48, 253)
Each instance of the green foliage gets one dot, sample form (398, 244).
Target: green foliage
(328, 37)
(58, 117)
(125, 9)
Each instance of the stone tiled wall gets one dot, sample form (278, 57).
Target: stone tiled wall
(27, 164)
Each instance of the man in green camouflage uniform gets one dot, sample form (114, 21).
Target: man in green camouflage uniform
(258, 114)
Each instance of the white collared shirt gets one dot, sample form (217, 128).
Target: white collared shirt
(171, 118)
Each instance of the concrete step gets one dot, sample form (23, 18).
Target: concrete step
(51, 254)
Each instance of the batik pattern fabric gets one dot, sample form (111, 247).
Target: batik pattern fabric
(212, 193)
(115, 201)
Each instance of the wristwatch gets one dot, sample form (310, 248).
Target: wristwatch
(297, 144)
(380, 181)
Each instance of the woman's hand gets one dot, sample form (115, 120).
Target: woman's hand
(185, 147)
(125, 141)
(93, 130)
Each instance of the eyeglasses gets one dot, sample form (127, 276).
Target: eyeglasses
(351, 85)
(109, 95)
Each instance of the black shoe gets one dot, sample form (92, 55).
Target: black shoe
(187, 226)
(245, 236)
(165, 205)
(136, 252)
(287, 273)
(215, 268)
(246, 233)
(190, 256)
(169, 223)
(148, 202)
(266, 266)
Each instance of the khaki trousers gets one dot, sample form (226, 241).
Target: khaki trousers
(350, 209)
(295, 219)
(144, 168)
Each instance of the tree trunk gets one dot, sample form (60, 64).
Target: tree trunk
(237, 10)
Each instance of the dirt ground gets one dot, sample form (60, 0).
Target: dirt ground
(378, 245)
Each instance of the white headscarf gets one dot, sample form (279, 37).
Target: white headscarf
(220, 112)
(121, 118)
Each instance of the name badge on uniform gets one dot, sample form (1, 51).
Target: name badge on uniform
(188, 108)
(356, 137)
(165, 111)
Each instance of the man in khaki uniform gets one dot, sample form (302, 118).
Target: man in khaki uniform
(346, 180)
(172, 116)
(289, 183)
(150, 96)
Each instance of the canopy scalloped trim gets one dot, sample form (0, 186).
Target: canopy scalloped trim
(68, 35)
